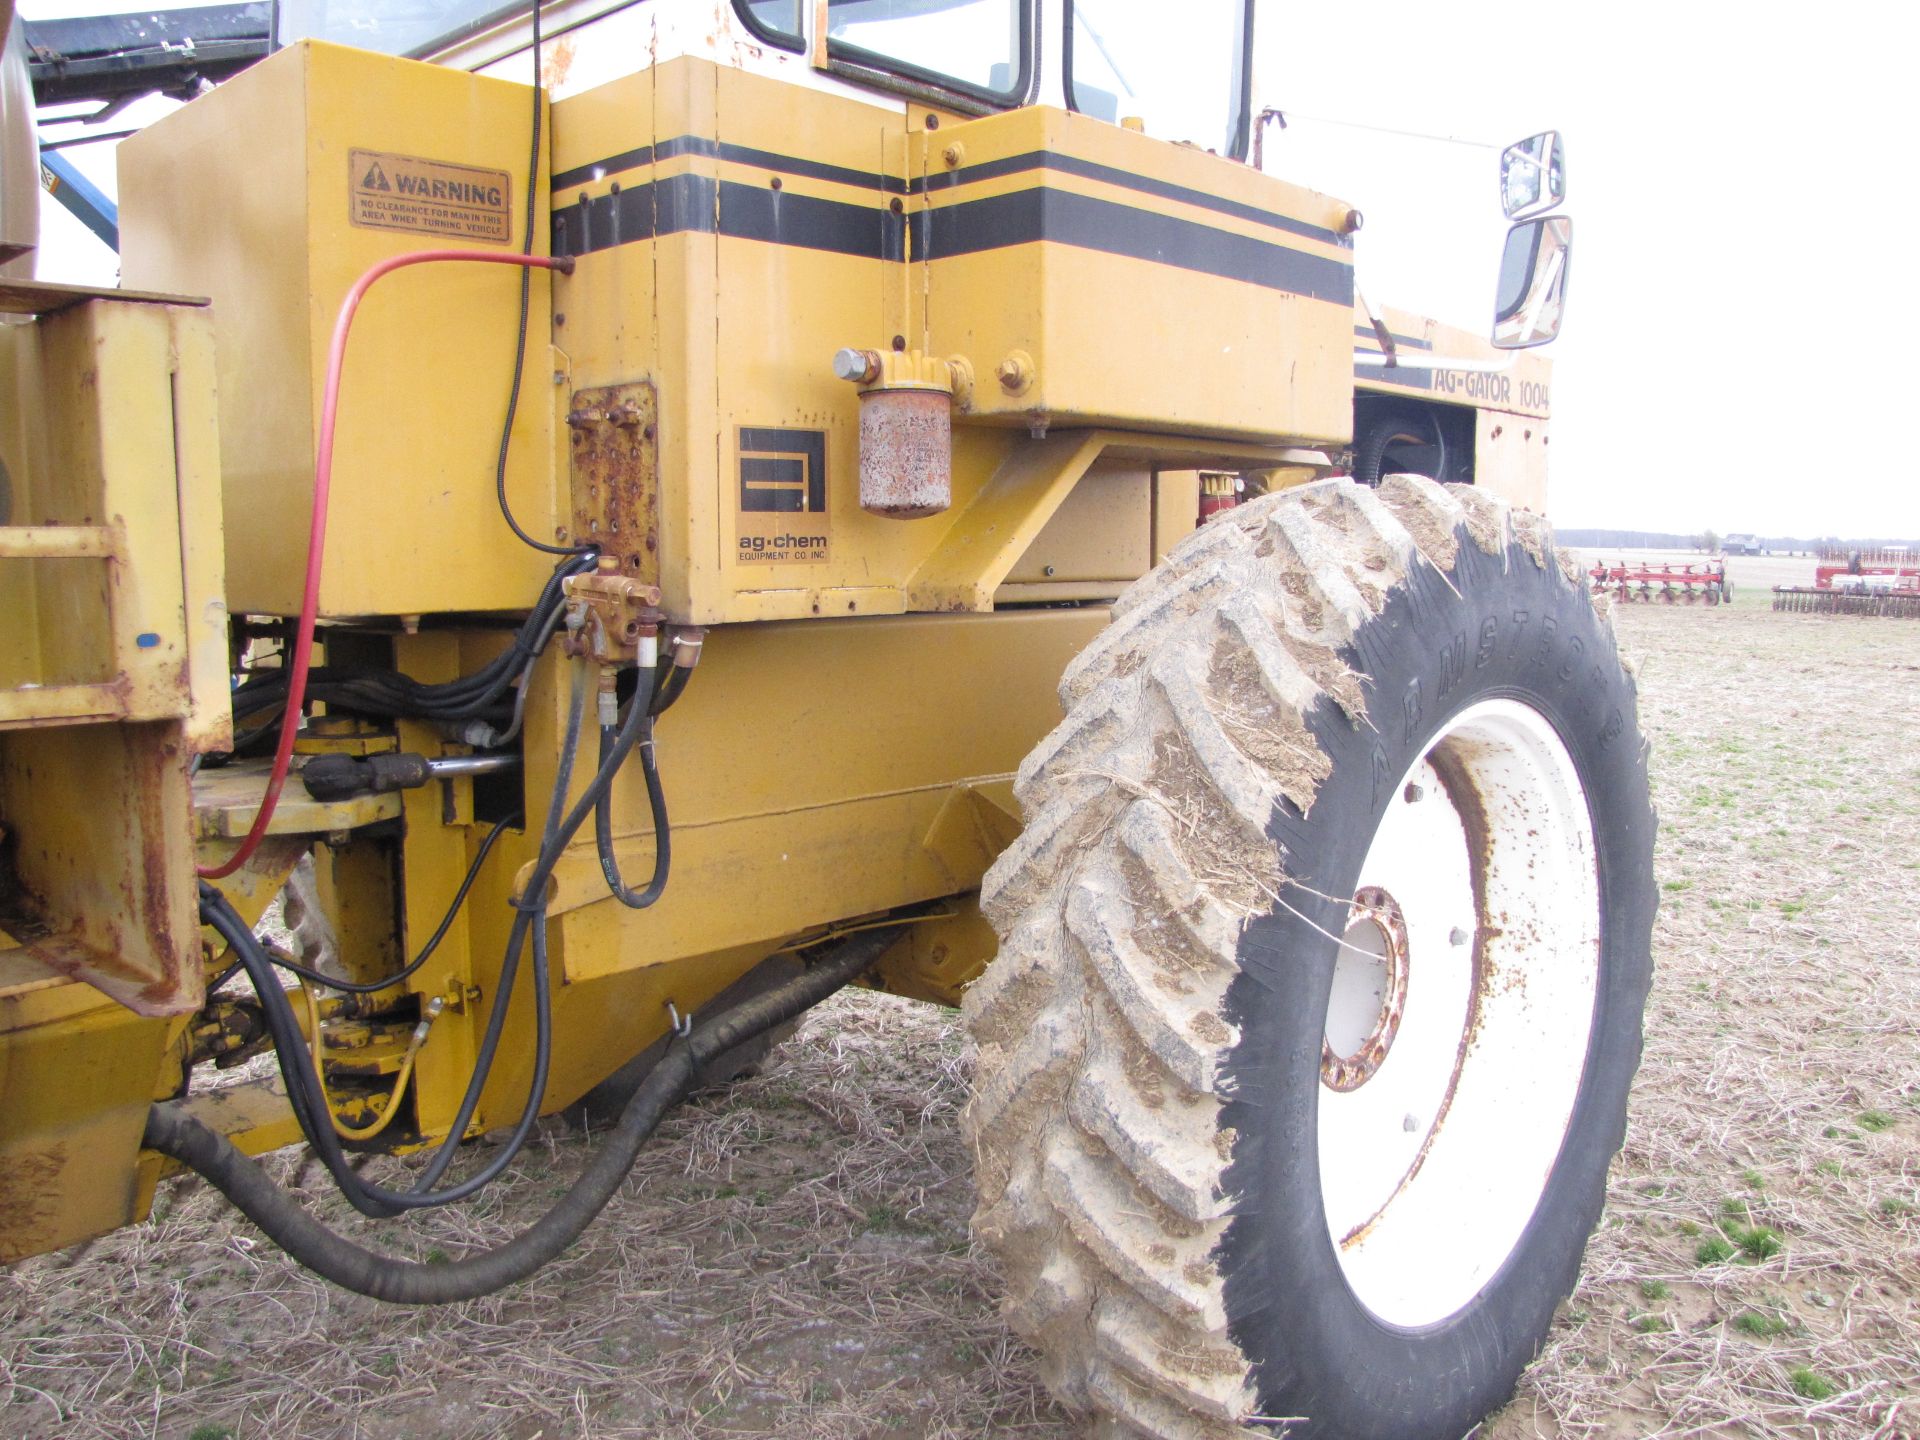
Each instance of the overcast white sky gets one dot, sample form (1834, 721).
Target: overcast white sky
(1741, 284)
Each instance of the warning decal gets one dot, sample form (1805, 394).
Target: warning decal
(405, 192)
(782, 515)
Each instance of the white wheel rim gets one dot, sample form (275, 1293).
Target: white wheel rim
(1433, 1163)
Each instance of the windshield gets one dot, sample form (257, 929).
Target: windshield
(1184, 75)
(978, 45)
(404, 28)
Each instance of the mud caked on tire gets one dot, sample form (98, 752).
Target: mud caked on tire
(1323, 959)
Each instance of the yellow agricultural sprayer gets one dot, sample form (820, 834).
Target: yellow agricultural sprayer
(527, 588)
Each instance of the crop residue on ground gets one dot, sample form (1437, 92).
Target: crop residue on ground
(791, 1256)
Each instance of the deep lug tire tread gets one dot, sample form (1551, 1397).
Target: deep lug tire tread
(1098, 1036)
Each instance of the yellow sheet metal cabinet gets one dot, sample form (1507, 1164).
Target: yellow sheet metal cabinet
(272, 195)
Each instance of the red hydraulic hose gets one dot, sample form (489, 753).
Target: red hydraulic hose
(317, 533)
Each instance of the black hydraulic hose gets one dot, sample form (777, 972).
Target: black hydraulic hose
(310, 1105)
(531, 914)
(175, 1133)
(520, 345)
(391, 693)
(662, 831)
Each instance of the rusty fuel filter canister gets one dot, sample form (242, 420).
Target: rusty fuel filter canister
(906, 431)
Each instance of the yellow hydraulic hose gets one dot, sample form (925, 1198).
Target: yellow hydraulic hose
(392, 1106)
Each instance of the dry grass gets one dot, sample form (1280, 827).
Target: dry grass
(791, 1259)
(1781, 1085)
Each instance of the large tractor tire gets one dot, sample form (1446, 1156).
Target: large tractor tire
(1323, 960)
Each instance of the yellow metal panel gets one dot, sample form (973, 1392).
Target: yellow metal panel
(786, 225)
(1520, 387)
(987, 537)
(1102, 530)
(807, 771)
(226, 800)
(1510, 458)
(55, 542)
(100, 883)
(196, 442)
(77, 1073)
(266, 228)
(1172, 334)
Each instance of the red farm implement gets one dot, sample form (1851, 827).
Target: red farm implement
(1686, 583)
(1861, 582)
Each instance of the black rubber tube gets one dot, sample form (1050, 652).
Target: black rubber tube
(662, 830)
(174, 1133)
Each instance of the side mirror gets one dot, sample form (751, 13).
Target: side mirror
(1533, 283)
(1533, 176)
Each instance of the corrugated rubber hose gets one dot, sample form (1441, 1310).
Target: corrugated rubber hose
(175, 1133)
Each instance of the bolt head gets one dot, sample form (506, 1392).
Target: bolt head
(854, 366)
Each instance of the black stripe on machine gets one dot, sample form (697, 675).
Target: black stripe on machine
(738, 154)
(700, 205)
(1067, 218)
(701, 146)
(1124, 179)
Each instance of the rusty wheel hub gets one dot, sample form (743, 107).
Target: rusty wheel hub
(1369, 991)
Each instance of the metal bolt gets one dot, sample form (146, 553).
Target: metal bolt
(857, 367)
(1413, 793)
(1457, 936)
(953, 155)
(1410, 1124)
(1009, 372)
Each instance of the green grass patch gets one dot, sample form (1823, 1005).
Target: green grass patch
(1734, 1208)
(1876, 1120)
(1754, 1179)
(1759, 1242)
(1716, 1251)
(1759, 1324)
(1655, 1290)
(1893, 1207)
(1810, 1383)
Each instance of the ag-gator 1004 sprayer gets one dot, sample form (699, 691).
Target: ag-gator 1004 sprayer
(662, 548)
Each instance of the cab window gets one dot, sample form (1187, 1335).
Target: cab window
(976, 46)
(1181, 71)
